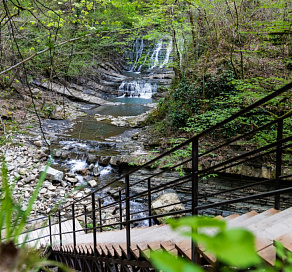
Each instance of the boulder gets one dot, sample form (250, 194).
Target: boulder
(104, 160)
(53, 174)
(91, 158)
(166, 199)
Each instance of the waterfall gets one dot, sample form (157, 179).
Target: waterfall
(137, 88)
(145, 57)
(138, 48)
(154, 60)
(167, 55)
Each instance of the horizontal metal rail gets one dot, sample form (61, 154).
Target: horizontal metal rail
(122, 205)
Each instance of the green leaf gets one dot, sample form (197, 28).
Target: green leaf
(280, 249)
(167, 262)
(198, 222)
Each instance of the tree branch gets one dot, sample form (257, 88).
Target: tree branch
(59, 44)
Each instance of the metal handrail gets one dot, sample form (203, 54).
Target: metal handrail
(276, 148)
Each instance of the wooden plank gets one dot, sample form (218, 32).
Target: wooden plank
(135, 251)
(241, 219)
(230, 217)
(184, 248)
(286, 240)
(268, 254)
(262, 243)
(168, 246)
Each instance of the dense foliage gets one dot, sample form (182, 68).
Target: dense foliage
(234, 53)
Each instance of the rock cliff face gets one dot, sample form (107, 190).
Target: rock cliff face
(143, 71)
(104, 80)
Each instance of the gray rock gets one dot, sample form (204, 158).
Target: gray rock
(43, 190)
(91, 158)
(65, 154)
(78, 195)
(53, 174)
(52, 188)
(96, 171)
(26, 194)
(72, 180)
(58, 154)
(64, 183)
(22, 171)
(46, 184)
(166, 199)
(30, 178)
(38, 143)
(9, 159)
(104, 160)
(92, 183)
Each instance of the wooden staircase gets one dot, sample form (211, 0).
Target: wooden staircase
(269, 226)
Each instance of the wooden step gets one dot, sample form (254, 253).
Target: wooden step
(268, 254)
(286, 240)
(241, 219)
(230, 217)
(271, 220)
(184, 248)
(272, 231)
(255, 219)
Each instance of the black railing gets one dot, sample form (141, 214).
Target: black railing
(198, 167)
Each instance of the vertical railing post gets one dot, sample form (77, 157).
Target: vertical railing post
(60, 230)
(128, 226)
(85, 218)
(100, 219)
(195, 190)
(121, 209)
(278, 162)
(149, 200)
(50, 231)
(74, 228)
(94, 223)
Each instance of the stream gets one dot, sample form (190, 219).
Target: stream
(84, 148)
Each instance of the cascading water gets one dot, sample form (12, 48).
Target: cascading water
(137, 88)
(144, 59)
(138, 48)
(154, 60)
(167, 55)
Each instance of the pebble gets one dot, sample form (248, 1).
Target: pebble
(22, 171)
(92, 183)
(52, 188)
(72, 180)
(43, 190)
(24, 163)
(26, 194)
(8, 159)
(78, 195)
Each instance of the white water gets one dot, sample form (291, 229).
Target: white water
(138, 51)
(137, 88)
(157, 56)
(154, 60)
(167, 56)
(151, 58)
(77, 165)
